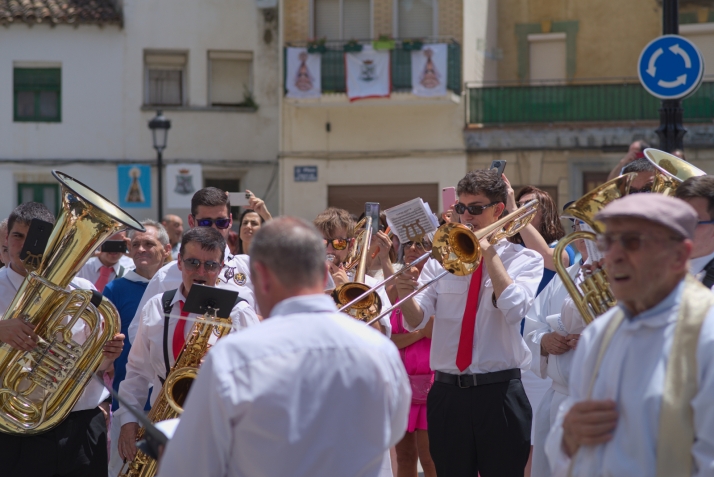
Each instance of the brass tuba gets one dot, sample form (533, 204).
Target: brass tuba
(670, 171)
(169, 403)
(39, 388)
(594, 296)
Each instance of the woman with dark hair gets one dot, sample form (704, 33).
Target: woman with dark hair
(250, 221)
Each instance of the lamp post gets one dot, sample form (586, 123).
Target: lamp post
(160, 126)
(671, 131)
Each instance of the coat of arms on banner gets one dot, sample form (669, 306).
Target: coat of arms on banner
(368, 74)
(367, 71)
(429, 70)
(184, 182)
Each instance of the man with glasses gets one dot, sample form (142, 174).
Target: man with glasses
(478, 415)
(338, 232)
(210, 207)
(159, 341)
(699, 193)
(642, 380)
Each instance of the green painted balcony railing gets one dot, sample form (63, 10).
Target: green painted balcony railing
(333, 67)
(578, 102)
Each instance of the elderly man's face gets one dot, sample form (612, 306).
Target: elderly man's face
(644, 261)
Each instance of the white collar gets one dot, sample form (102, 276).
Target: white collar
(178, 297)
(15, 278)
(98, 264)
(696, 265)
(132, 276)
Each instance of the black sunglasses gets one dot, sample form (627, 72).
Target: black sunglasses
(473, 209)
(220, 223)
(193, 264)
(647, 188)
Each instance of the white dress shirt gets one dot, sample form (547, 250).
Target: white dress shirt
(696, 266)
(307, 393)
(146, 363)
(385, 321)
(90, 271)
(10, 281)
(498, 344)
(169, 278)
(632, 374)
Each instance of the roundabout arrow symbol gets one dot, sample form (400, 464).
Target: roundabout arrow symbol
(651, 69)
(673, 84)
(678, 51)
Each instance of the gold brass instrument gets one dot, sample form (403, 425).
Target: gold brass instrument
(593, 297)
(456, 247)
(169, 402)
(670, 171)
(370, 304)
(39, 388)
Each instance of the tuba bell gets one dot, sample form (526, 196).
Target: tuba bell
(39, 388)
(670, 171)
(594, 296)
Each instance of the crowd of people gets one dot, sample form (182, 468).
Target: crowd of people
(498, 372)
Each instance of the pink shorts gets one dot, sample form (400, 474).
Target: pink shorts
(417, 417)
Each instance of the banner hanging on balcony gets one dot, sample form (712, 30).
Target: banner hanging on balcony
(303, 74)
(368, 74)
(429, 70)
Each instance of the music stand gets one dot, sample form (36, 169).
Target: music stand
(201, 298)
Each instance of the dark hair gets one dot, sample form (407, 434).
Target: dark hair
(550, 227)
(239, 243)
(700, 186)
(292, 249)
(639, 165)
(207, 237)
(331, 220)
(486, 182)
(24, 213)
(210, 197)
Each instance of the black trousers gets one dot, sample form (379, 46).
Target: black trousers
(483, 429)
(75, 448)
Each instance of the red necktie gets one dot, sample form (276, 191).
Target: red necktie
(104, 273)
(464, 355)
(179, 332)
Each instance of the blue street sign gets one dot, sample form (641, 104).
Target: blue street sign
(670, 67)
(305, 173)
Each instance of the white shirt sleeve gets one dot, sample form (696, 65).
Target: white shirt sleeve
(139, 371)
(533, 332)
(243, 316)
(526, 273)
(427, 298)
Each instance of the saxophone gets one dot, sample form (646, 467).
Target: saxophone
(169, 402)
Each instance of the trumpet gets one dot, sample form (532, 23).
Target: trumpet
(594, 296)
(456, 247)
(670, 171)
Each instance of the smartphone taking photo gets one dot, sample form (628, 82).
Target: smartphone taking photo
(500, 166)
(114, 246)
(371, 209)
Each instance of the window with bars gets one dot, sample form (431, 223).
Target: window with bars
(416, 18)
(37, 94)
(47, 194)
(165, 73)
(342, 19)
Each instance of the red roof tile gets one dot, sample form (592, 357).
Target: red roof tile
(59, 11)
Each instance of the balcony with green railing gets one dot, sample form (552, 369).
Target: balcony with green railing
(333, 64)
(583, 101)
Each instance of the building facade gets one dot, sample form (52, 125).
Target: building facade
(560, 99)
(84, 81)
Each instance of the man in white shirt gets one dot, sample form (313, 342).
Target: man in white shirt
(699, 193)
(210, 207)
(78, 445)
(174, 227)
(338, 233)
(4, 255)
(105, 266)
(307, 393)
(160, 339)
(642, 380)
(478, 415)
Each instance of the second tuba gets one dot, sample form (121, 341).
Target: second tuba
(670, 171)
(39, 388)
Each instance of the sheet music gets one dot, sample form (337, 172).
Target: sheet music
(411, 220)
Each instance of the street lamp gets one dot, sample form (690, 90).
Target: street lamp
(671, 131)
(160, 126)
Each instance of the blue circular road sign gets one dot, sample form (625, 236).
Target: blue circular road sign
(670, 67)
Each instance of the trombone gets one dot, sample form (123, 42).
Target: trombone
(456, 247)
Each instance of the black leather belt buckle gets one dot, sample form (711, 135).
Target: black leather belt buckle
(465, 381)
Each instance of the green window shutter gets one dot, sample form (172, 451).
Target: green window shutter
(37, 94)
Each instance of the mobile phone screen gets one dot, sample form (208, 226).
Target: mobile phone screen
(371, 209)
(114, 246)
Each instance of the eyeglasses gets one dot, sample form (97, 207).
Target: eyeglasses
(630, 241)
(337, 243)
(417, 245)
(193, 264)
(647, 188)
(473, 209)
(705, 222)
(220, 223)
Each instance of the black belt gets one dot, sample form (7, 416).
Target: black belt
(470, 380)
